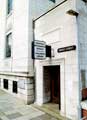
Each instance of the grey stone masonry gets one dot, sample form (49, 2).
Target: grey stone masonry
(26, 90)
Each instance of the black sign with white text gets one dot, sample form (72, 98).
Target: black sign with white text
(65, 49)
(38, 50)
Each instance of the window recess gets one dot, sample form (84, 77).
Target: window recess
(8, 45)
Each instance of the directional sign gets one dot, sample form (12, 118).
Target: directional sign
(38, 50)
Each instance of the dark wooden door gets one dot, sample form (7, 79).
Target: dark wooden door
(55, 84)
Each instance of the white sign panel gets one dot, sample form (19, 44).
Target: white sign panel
(39, 49)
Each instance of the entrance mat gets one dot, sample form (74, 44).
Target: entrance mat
(14, 115)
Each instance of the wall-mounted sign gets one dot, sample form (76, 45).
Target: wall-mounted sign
(65, 49)
(38, 50)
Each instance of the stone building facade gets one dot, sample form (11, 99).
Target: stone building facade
(63, 27)
(16, 68)
(59, 79)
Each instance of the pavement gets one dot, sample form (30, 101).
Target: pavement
(11, 108)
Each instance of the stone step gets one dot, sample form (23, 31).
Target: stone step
(50, 111)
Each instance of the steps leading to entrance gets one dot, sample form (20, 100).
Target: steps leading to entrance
(51, 109)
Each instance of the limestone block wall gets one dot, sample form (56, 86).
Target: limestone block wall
(40, 7)
(2, 31)
(19, 22)
(25, 87)
(82, 35)
(59, 29)
(21, 60)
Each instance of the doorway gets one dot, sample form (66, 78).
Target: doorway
(52, 84)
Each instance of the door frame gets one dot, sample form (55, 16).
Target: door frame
(39, 81)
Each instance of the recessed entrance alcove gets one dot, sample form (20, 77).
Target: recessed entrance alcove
(50, 84)
(51, 76)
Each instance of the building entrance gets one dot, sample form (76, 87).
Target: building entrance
(52, 83)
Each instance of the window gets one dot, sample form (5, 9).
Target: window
(9, 6)
(8, 45)
(53, 1)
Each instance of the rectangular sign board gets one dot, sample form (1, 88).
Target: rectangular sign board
(38, 50)
(68, 48)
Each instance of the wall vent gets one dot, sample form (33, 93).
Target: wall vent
(15, 87)
(5, 84)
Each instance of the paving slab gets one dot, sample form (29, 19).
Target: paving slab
(12, 108)
(44, 117)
